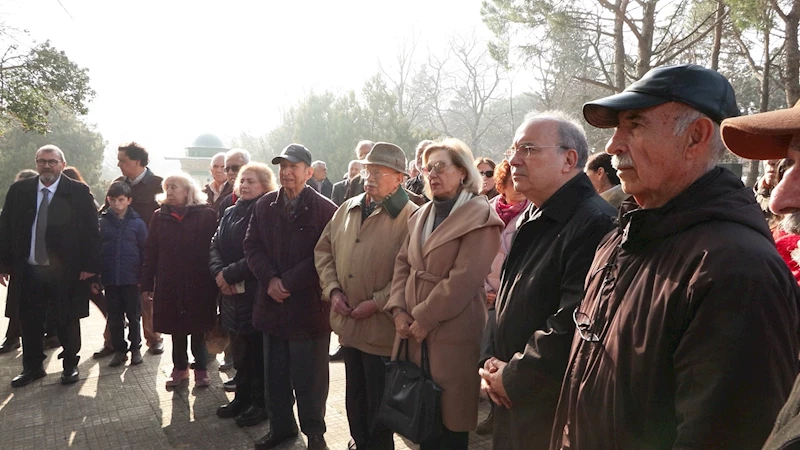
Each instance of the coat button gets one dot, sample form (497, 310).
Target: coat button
(358, 240)
(350, 276)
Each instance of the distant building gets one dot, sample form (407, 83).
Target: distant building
(198, 156)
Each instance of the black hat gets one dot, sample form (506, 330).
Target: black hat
(703, 89)
(295, 153)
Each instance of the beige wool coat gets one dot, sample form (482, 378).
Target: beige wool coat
(358, 258)
(440, 284)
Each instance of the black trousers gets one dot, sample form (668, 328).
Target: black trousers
(124, 301)
(365, 375)
(248, 359)
(180, 358)
(41, 291)
(297, 368)
(448, 440)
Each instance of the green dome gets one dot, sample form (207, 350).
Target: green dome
(206, 145)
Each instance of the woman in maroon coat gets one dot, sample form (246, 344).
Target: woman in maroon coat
(175, 273)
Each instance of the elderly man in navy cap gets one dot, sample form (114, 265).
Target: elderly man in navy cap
(289, 309)
(687, 333)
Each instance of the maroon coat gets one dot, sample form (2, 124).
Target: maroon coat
(280, 246)
(176, 269)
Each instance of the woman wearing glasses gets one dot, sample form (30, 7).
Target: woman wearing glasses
(437, 290)
(486, 168)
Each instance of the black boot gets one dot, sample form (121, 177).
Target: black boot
(252, 417)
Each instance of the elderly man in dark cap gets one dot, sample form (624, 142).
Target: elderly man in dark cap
(288, 309)
(355, 259)
(775, 135)
(680, 343)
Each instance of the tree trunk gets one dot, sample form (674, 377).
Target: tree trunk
(717, 35)
(792, 68)
(763, 106)
(619, 45)
(646, 40)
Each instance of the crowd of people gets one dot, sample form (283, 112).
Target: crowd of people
(640, 297)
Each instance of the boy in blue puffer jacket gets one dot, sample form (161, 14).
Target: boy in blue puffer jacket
(123, 234)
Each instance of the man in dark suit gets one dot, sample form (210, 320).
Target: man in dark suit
(50, 247)
(320, 181)
(340, 188)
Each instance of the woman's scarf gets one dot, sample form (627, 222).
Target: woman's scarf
(506, 211)
(427, 229)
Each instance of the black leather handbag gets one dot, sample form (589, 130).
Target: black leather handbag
(412, 402)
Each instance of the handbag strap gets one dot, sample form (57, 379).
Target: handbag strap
(403, 345)
(424, 361)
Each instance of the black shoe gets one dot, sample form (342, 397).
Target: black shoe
(230, 385)
(232, 409)
(272, 439)
(136, 357)
(103, 352)
(337, 355)
(156, 348)
(317, 442)
(70, 376)
(52, 342)
(487, 426)
(252, 417)
(352, 445)
(27, 377)
(118, 359)
(9, 345)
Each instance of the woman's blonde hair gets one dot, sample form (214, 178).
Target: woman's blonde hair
(461, 155)
(263, 173)
(194, 195)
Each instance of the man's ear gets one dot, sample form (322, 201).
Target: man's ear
(570, 159)
(699, 136)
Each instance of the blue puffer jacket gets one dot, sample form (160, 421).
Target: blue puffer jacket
(122, 247)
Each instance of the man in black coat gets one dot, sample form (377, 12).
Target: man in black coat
(542, 278)
(50, 247)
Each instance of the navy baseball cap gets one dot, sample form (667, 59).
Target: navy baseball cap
(703, 89)
(295, 153)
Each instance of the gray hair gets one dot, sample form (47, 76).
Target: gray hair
(570, 132)
(319, 163)
(462, 158)
(218, 155)
(195, 196)
(352, 163)
(50, 148)
(363, 143)
(240, 152)
(687, 117)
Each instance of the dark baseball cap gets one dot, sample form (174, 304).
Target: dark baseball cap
(703, 89)
(295, 153)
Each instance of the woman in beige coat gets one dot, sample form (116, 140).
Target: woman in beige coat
(437, 290)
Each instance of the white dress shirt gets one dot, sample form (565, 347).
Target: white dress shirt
(52, 188)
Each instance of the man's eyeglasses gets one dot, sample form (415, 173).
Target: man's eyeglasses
(583, 323)
(525, 150)
(47, 162)
(438, 167)
(366, 173)
(234, 169)
(487, 173)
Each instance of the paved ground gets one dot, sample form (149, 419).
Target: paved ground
(128, 407)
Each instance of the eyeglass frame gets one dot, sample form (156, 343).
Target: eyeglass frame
(432, 168)
(231, 168)
(48, 162)
(487, 173)
(511, 152)
(365, 173)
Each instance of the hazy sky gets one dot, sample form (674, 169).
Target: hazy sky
(166, 71)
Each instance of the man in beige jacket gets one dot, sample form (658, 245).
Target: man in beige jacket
(355, 260)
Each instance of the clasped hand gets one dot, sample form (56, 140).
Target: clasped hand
(492, 381)
(341, 306)
(407, 327)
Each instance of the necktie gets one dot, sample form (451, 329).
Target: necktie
(39, 245)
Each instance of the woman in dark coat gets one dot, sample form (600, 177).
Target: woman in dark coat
(238, 287)
(175, 273)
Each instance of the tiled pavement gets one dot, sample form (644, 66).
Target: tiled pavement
(129, 408)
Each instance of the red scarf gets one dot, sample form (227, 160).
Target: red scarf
(506, 211)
